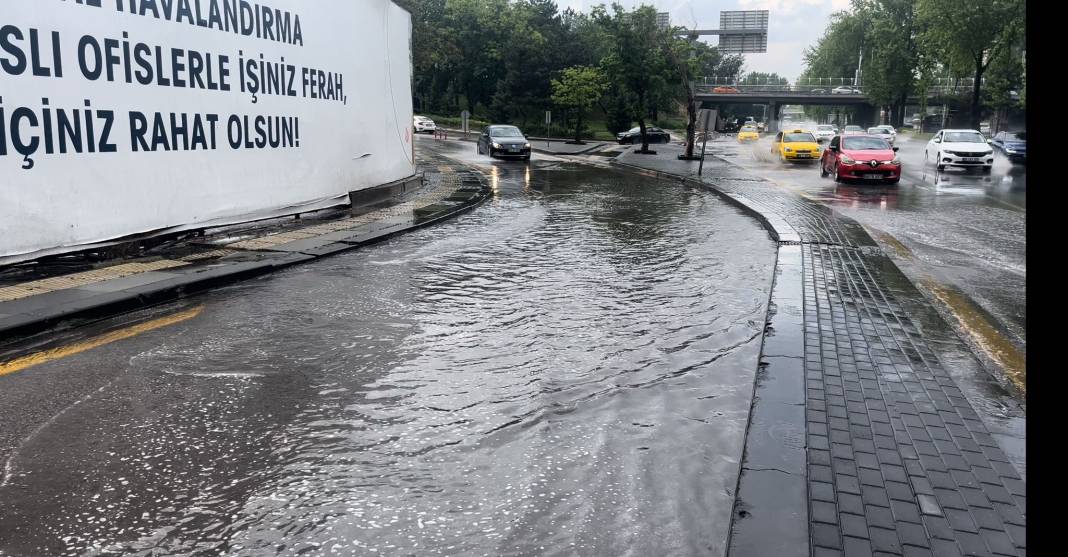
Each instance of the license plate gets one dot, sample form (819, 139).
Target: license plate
(803, 156)
(972, 159)
(513, 150)
(873, 176)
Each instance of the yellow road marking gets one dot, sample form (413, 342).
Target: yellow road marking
(991, 341)
(45, 356)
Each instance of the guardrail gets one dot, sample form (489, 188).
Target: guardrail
(814, 90)
(822, 85)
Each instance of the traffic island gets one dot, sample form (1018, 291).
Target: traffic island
(31, 303)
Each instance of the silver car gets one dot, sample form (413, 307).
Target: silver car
(882, 132)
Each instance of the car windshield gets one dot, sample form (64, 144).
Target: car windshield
(964, 137)
(878, 131)
(749, 129)
(864, 144)
(799, 138)
(854, 129)
(825, 128)
(1022, 136)
(505, 131)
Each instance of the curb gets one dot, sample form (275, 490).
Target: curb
(66, 309)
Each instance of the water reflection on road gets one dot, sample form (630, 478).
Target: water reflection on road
(566, 370)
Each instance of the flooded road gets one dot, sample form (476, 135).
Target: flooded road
(567, 369)
(959, 227)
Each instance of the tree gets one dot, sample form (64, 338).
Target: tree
(1005, 80)
(692, 60)
(637, 62)
(970, 36)
(579, 89)
(761, 78)
(890, 72)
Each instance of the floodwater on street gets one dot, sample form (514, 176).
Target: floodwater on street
(567, 369)
(959, 226)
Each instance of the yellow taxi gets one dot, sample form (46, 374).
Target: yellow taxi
(795, 145)
(748, 133)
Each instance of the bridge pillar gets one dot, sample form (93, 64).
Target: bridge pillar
(774, 117)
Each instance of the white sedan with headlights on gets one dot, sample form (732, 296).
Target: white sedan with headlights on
(960, 148)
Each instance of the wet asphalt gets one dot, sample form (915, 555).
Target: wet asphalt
(568, 369)
(958, 227)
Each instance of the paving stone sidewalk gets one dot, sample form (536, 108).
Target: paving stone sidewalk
(897, 461)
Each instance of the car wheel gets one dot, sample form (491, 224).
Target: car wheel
(823, 170)
(837, 175)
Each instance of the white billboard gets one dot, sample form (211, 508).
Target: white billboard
(126, 117)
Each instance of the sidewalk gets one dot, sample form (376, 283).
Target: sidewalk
(30, 304)
(860, 441)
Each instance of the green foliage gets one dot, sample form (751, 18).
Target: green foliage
(908, 44)
(579, 87)
(761, 78)
(499, 59)
(968, 38)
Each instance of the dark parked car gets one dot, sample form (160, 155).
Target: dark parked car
(1013, 144)
(503, 141)
(634, 136)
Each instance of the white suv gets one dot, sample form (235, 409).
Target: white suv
(964, 148)
(424, 124)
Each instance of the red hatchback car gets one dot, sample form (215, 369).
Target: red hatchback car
(861, 157)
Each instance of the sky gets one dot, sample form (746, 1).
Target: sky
(793, 25)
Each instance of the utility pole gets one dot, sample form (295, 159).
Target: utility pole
(860, 62)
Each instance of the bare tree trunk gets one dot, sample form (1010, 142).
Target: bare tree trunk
(977, 108)
(691, 121)
(641, 123)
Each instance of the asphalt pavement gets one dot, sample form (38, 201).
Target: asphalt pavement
(959, 234)
(566, 370)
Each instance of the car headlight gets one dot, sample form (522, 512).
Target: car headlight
(526, 145)
(1010, 151)
(846, 159)
(896, 161)
(496, 145)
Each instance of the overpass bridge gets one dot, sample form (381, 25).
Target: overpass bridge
(713, 93)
